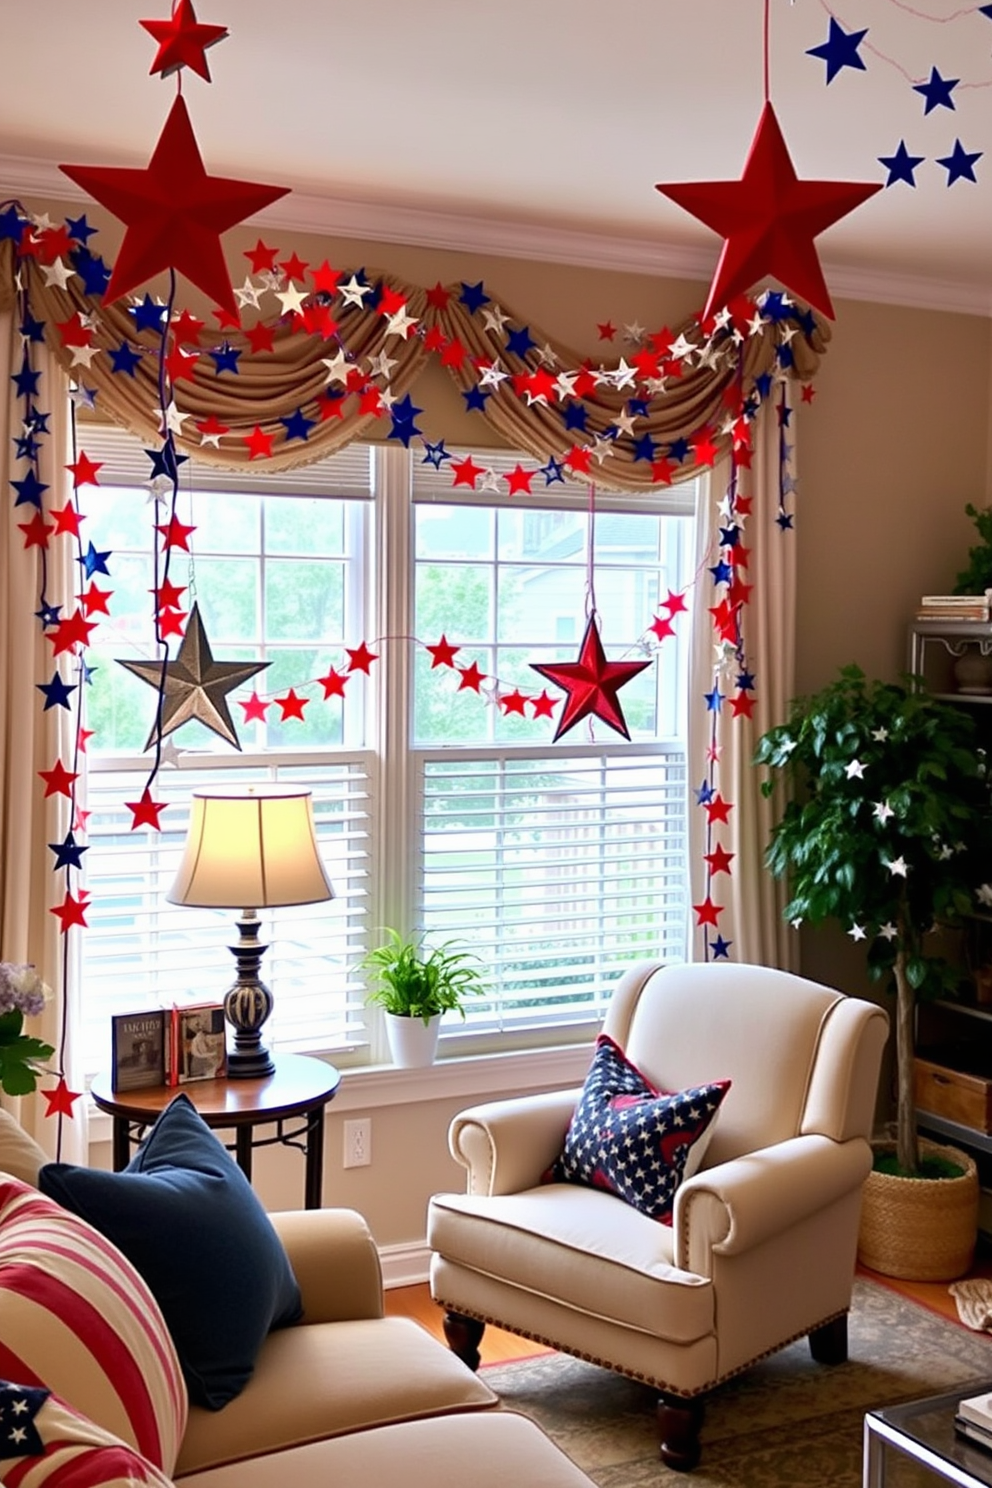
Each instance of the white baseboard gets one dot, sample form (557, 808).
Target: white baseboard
(404, 1265)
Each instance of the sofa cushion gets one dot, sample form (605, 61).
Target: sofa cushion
(634, 1140)
(76, 1318)
(322, 1379)
(45, 1443)
(20, 1155)
(186, 1216)
(489, 1451)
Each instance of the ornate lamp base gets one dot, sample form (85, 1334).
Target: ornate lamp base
(248, 1004)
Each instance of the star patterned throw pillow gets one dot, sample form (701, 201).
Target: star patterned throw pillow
(632, 1139)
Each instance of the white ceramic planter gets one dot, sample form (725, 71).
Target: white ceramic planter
(412, 1042)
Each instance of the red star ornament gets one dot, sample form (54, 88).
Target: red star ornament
(60, 1099)
(592, 684)
(174, 212)
(769, 219)
(182, 41)
(146, 812)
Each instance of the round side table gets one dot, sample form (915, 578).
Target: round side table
(292, 1099)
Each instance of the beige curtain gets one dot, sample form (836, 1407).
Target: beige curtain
(751, 923)
(32, 738)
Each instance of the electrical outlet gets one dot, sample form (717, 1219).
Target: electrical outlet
(358, 1143)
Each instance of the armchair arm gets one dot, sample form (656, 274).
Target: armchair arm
(507, 1146)
(739, 1204)
(335, 1261)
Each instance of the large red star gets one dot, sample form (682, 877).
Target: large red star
(592, 684)
(769, 219)
(182, 41)
(174, 212)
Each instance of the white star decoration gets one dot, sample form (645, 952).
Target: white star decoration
(883, 810)
(855, 768)
(898, 867)
(857, 932)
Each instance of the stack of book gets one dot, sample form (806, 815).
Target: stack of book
(954, 607)
(974, 1419)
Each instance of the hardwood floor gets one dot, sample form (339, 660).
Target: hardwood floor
(500, 1348)
(497, 1347)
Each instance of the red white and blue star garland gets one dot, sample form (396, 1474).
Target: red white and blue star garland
(168, 233)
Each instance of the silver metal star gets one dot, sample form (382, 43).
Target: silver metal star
(195, 685)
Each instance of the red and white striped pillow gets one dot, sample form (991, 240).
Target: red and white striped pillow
(80, 1453)
(76, 1317)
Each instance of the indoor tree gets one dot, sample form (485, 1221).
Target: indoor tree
(886, 828)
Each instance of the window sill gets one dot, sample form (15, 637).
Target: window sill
(474, 1078)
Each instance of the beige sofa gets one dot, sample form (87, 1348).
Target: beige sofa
(347, 1394)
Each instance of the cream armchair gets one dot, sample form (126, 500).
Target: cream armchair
(763, 1241)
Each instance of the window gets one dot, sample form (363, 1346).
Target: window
(439, 802)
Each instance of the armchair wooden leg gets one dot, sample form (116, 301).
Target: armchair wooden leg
(464, 1334)
(828, 1344)
(679, 1424)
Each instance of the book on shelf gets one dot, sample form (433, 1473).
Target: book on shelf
(138, 1049)
(195, 1043)
(978, 610)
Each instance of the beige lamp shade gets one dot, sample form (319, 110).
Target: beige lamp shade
(247, 851)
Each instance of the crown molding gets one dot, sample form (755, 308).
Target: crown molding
(420, 227)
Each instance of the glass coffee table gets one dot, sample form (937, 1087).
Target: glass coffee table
(923, 1430)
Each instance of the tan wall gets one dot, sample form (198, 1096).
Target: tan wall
(895, 443)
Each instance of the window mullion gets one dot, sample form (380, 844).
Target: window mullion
(395, 891)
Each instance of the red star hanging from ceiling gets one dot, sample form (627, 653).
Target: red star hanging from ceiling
(174, 212)
(769, 219)
(592, 684)
(182, 41)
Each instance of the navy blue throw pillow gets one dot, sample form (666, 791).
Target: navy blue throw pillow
(632, 1139)
(187, 1219)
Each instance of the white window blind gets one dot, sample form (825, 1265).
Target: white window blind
(558, 871)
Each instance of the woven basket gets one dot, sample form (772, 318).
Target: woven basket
(920, 1229)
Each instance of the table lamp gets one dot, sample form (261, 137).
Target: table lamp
(250, 851)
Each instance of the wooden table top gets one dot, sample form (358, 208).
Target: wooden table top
(299, 1081)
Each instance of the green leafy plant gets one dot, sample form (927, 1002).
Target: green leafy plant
(411, 980)
(977, 577)
(886, 828)
(22, 1057)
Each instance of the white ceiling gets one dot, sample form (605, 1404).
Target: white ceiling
(540, 125)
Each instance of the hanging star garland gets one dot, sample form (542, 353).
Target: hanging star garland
(769, 219)
(195, 686)
(174, 212)
(591, 683)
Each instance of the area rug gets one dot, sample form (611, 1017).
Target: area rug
(787, 1423)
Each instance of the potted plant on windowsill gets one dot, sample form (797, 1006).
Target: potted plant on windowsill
(887, 830)
(415, 985)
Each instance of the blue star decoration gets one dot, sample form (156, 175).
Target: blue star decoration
(94, 562)
(520, 342)
(165, 461)
(704, 793)
(403, 414)
(29, 490)
(148, 316)
(56, 692)
(839, 50)
(297, 426)
(123, 358)
(937, 92)
(720, 947)
(68, 853)
(553, 471)
(959, 165)
(475, 399)
(473, 296)
(901, 166)
(225, 358)
(436, 454)
(19, 1407)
